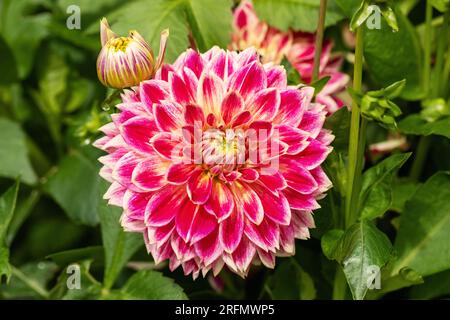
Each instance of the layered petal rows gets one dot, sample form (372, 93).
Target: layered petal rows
(217, 161)
(297, 47)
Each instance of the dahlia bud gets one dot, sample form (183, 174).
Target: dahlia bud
(126, 61)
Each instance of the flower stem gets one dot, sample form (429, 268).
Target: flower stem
(319, 39)
(353, 154)
(427, 50)
(420, 157)
(424, 142)
(339, 285)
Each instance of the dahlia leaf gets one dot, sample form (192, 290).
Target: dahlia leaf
(7, 206)
(23, 38)
(89, 288)
(14, 159)
(150, 17)
(296, 14)
(320, 84)
(441, 5)
(79, 198)
(330, 241)
(119, 245)
(290, 281)
(416, 125)
(63, 258)
(151, 285)
(339, 124)
(434, 287)
(7, 63)
(36, 274)
(406, 277)
(402, 191)
(392, 56)
(423, 237)
(210, 21)
(362, 251)
(376, 190)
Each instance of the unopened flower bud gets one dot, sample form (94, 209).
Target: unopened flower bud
(126, 61)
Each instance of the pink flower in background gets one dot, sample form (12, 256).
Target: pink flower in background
(298, 47)
(205, 191)
(249, 31)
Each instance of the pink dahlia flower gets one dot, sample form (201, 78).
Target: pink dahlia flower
(298, 47)
(217, 162)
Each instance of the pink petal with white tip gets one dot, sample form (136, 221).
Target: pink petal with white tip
(221, 202)
(199, 187)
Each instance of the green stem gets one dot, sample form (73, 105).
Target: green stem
(319, 39)
(444, 76)
(31, 283)
(354, 131)
(339, 285)
(424, 142)
(420, 157)
(359, 168)
(427, 62)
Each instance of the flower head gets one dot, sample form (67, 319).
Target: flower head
(217, 161)
(298, 47)
(126, 61)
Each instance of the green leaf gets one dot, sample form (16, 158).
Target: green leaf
(406, 277)
(7, 63)
(376, 190)
(330, 242)
(434, 286)
(291, 282)
(210, 21)
(14, 160)
(7, 207)
(392, 56)
(339, 123)
(296, 14)
(441, 5)
(119, 245)
(423, 237)
(34, 278)
(24, 37)
(361, 15)
(90, 288)
(63, 258)
(361, 249)
(415, 124)
(149, 18)
(389, 16)
(75, 187)
(150, 285)
(402, 191)
(349, 7)
(320, 84)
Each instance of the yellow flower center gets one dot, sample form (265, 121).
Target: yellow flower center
(119, 43)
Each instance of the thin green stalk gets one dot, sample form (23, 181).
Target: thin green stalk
(443, 79)
(354, 132)
(319, 39)
(31, 283)
(427, 62)
(424, 142)
(339, 285)
(420, 157)
(359, 168)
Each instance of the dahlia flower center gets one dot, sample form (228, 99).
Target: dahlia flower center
(221, 147)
